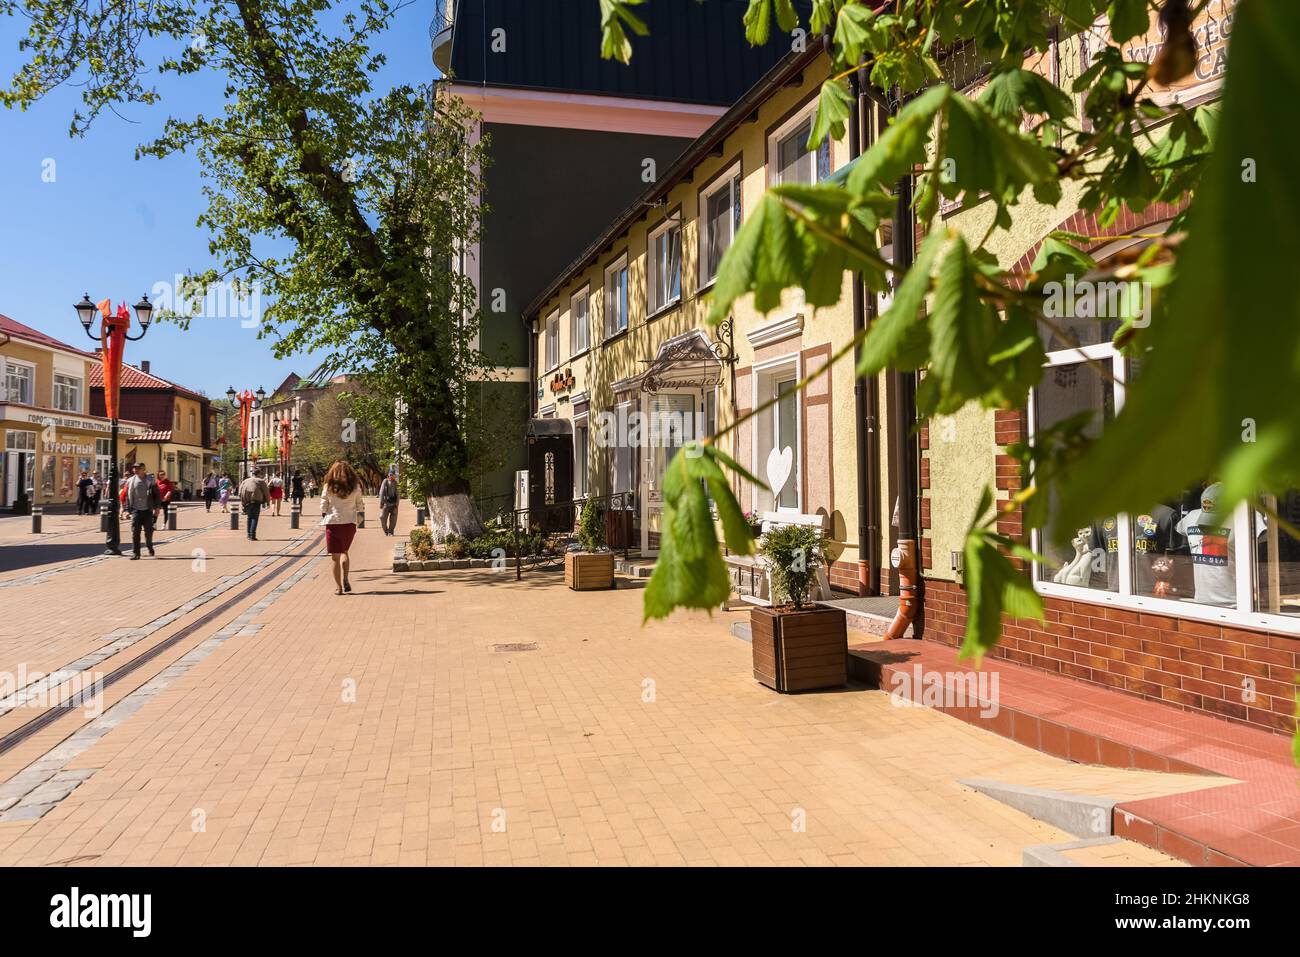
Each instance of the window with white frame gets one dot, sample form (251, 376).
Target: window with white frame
(67, 393)
(580, 323)
(552, 340)
(776, 436)
(20, 382)
(616, 301)
(581, 456)
(664, 265)
(1185, 556)
(789, 155)
(720, 216)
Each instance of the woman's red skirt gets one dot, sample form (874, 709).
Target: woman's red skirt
(277, 493)
(338, 538)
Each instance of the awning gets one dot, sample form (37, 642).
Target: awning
(539, 428)
(687, 361)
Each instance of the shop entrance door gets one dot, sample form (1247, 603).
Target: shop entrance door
(669, 422)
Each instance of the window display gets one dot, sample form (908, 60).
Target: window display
(1276, 554)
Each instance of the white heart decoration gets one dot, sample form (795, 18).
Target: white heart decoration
(779, 465)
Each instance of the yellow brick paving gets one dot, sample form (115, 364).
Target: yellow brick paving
(382, 728)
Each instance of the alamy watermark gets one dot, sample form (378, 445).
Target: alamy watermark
(943, 690)
(1089, 299)
(226, 299)
(36, 689)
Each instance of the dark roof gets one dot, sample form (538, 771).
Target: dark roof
(136, 378)
(695, 52)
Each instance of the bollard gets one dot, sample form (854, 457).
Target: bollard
(295, 514)
(36, 519)
(105, 511)
(234, 514)
(171, 519)
(419, 515)
(361, 519)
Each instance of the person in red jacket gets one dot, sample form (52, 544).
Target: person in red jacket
(165, 490)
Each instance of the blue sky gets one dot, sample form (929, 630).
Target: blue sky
(114, 226)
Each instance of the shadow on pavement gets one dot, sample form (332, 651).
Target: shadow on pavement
(13, 557)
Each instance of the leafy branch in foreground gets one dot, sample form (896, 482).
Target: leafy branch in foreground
(974, 328)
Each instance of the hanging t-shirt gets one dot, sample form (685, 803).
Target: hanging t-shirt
(1210, 540)
(1105, 539)
(1154, 534)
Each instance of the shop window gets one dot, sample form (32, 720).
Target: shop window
(720, 215)
(1276, 554)
(1187, 555)
(616, 302)
(664, 266)
(579, 323)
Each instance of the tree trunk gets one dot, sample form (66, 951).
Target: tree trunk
(452, 511)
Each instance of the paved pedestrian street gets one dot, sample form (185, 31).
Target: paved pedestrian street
(252, 716)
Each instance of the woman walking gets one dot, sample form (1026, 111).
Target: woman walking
(277, 493)
(223, 492)
(340, 502)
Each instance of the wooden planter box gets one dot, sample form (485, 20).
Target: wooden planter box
(589, 571)
(800, 650)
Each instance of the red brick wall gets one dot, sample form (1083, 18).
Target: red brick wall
(1190, 664)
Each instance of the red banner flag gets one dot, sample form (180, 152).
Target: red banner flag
(114, 339)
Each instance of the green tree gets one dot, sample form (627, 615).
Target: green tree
(372, 192)
(1224, 317)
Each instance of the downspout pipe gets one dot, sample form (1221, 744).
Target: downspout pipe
(905, 557)
(863, 396)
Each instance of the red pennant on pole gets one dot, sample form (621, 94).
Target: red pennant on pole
(114, 338)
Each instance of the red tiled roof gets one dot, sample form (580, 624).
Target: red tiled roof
(135, 378)
(16, 330)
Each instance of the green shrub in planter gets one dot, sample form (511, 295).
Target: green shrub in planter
(591, 528)
(794, 552)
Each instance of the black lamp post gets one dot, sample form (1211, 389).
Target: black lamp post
(247, 402)
(112, 355)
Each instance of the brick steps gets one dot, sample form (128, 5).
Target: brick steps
(1256, 821)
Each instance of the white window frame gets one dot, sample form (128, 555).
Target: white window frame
(793, 364)
(30, 367)
(1243, 540)
(612, 270)
(77, 382)
(552, 341)
(581, 457)
(805, 115)
(729, 180)
(658, 300)
(580, 324)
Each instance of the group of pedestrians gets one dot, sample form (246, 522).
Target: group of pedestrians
(89, 489)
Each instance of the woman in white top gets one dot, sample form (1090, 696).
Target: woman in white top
(340, 502)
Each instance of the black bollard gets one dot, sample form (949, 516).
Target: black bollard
(361, 519)
(419, 515)
(36, 519)
(105, 510)
(171, 519)
(234, 514)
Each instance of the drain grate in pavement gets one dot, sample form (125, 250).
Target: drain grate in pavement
(518, 646)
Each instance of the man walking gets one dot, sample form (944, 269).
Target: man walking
(209, 491)
(295, 488)
(388, 499)
(253, 494)
(142, 499)
(84, 485)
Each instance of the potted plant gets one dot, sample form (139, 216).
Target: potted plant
(591, 568)
(797, 645)
(755, 524)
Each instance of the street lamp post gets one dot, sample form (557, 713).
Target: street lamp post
(112, 338)
(248, 401)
